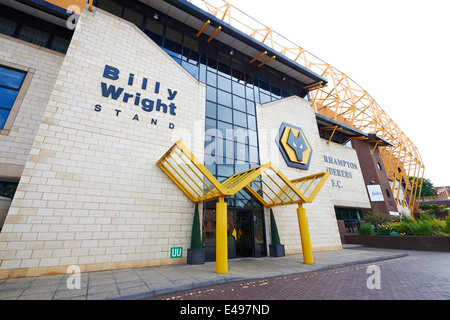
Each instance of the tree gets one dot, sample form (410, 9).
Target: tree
(274, 229)
(276, 249)
(196, 255)
(427, 187)
(196, 238)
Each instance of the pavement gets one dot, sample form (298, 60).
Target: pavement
(144, 283)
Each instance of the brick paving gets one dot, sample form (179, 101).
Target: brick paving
(419, 276)
(144, 283)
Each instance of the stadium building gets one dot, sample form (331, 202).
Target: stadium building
(98, 99)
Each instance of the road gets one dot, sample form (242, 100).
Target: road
(419, 276)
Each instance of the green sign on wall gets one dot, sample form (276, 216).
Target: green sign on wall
(176, 252)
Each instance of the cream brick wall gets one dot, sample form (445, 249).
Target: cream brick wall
(44, 65)
(91, 193)
(346, 192)
(321, 216)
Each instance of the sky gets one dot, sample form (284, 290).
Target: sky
(397, 50)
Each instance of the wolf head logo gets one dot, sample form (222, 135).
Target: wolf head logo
(298, 144)
(294, 146)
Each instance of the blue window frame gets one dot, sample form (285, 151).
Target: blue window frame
(10, 82)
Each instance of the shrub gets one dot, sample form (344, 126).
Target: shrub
(421, 228)
(428, 225)
(438, 225)
(384, 229)
(433, 208)
(403, 228)
(405, 218)
(366, 229)
(196, 237)
(447, 224)
(428, 207)
(426, 216)
(376, 218)
(274, 229)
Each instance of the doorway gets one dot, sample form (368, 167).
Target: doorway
(250, 232)
(246, 231)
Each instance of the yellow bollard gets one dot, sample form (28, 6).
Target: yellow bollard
(304, 235)
(221, 237)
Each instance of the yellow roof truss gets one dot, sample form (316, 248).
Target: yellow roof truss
(342, 99)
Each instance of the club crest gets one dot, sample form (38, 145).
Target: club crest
(294, 146)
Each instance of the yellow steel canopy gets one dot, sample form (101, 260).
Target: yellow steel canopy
(266, 182)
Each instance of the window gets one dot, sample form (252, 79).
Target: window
(154, 26)
(60, 44)
(110, 6)
(33, 35)
(10, 83)
(348, 214)
(133, 16)
(154, 30)
(379, 166)
(190, 50)
(7, 26)
(18, 24)
(8, 189)
(172, 43)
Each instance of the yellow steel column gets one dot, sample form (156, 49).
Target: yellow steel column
(304, 235)
(221, 237)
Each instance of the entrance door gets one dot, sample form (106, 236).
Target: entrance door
(244, 236)
(246, 231)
